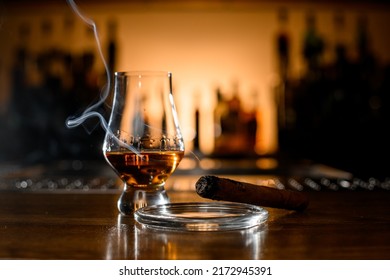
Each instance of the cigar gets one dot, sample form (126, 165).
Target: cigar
(216, 188)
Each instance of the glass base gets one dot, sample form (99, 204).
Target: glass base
(133, 199)
(201, 216)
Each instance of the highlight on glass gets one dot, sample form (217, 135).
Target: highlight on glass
(143, 142)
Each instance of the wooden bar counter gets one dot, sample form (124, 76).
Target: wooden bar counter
(85, 224)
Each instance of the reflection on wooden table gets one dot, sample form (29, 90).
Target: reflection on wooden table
(82, 225)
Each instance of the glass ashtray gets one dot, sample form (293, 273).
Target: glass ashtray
(201, 216)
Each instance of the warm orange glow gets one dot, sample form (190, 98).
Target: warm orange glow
(205, 51)
(209, 47)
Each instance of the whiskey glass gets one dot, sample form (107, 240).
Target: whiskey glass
(143, 142)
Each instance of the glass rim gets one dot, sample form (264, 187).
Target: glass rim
(143, 73)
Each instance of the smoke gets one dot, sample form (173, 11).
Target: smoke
(91, 111)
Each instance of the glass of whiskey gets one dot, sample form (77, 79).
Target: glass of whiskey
(143, 142)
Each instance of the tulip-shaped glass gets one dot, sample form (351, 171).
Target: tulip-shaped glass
(143, 142)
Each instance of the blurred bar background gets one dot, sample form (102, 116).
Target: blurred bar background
(252, 79)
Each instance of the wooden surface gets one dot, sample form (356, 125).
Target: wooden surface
(85, 225)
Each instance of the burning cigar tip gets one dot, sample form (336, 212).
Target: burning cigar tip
(204, 184)
(216, 188)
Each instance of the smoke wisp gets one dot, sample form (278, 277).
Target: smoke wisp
(91, 111)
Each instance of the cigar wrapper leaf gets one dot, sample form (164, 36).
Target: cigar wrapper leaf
(216, 188)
